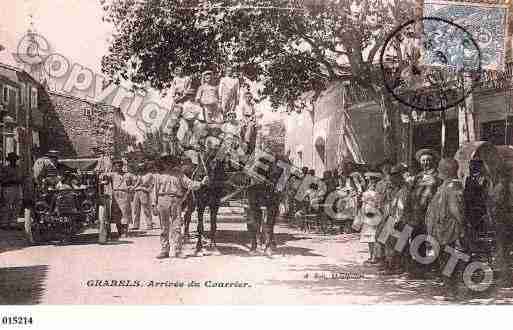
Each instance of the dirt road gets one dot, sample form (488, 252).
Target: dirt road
(307, 269)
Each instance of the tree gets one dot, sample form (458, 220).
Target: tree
(289, 46)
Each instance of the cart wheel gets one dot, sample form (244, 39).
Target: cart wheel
(32, 234)
(102, 230)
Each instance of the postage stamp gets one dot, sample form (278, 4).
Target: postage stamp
(485, 22)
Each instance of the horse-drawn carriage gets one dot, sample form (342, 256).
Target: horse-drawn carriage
(60, 210)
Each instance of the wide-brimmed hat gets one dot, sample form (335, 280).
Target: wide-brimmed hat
(117, 161)
(426, 151)
(12, 156)
(207, 72)
(52, 153)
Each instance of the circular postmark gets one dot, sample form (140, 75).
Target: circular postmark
(432, 71)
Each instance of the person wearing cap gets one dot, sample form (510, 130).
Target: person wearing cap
(179, 85)
(192, 123)
(46, 168)
(208, 97)
(122, 183)
(229, 90)
(170, 190)
(12, 180)
(445, 215)
(142, 188)
(396, 212)
(372, 179)
(424, 187)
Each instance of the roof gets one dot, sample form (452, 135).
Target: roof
(16, 75)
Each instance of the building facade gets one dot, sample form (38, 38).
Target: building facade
(340, 124)
(22, 119)
(344, 123)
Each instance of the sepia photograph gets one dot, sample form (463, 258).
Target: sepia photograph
(255, 152)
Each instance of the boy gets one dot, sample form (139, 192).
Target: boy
(208, 97)
(170, 189)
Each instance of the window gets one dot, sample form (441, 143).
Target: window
(5, 96)
(33, 98)
(26, 94)
(21, 94)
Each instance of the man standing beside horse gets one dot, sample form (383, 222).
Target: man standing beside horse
(170, 189)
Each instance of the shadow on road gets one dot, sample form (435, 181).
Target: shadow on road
(318, 279)
(330, 280)
(22, 285)
(11, 240)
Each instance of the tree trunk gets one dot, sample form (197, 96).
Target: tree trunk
(468, 119)
(390, 122)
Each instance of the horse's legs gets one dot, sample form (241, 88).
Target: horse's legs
(272, 212)
(187, 217)
(253, 222)
(200, 209)
(214, 209)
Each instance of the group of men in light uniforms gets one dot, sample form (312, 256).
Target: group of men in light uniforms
(157, 188)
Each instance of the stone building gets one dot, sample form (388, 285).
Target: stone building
(76, 127)
(43, 120)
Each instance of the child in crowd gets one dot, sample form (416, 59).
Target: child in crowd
(229, 91)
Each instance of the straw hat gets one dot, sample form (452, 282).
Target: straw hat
(426, 151)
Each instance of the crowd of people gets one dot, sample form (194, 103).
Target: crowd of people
(388, 197)
(218, 103)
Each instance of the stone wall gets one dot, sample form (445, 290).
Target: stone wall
(75, 127)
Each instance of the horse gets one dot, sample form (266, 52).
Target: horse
(207, 196)
(265, 193)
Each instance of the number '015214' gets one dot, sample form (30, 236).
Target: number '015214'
(13, 320)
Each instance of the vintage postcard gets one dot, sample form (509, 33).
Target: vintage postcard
(176, 152)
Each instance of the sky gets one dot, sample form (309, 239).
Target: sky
(72, 27)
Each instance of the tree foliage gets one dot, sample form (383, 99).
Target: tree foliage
(289, 46)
